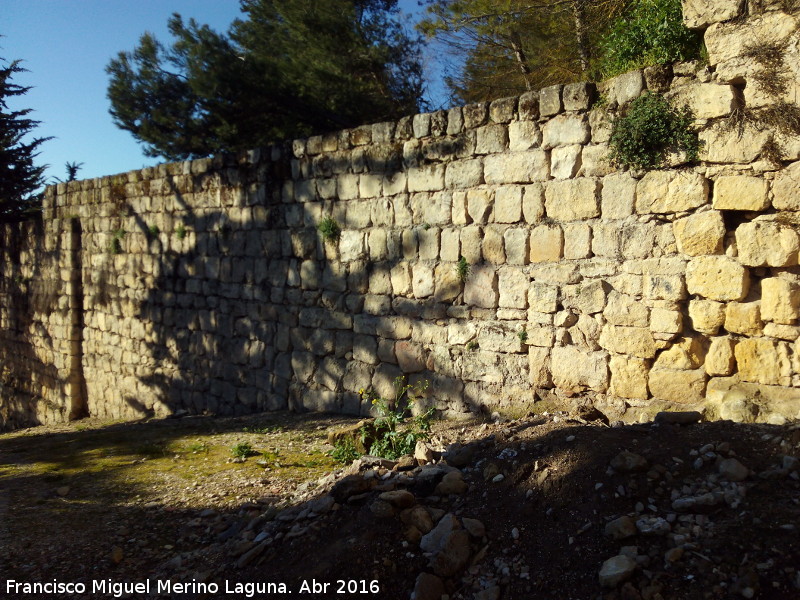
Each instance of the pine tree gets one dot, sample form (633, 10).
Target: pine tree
(290, 68)
(19, 177)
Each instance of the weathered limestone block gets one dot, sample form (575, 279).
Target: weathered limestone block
(705, 100)
(701, 233)
(707, 316)
(498, 337)
(665, 192)
(540, 335)
(767, 243)
(410, 356)
(358, 376)
(396, 328)
(303, 365)
(575, 369)
(461, 174)
(744, 318)
(513, 286)
(479, 205)
(351, 246)
(533, 203)
(401, 279)
(780, 300)
(565, 161)
(720, 359)
(542, 297)
(428, 178)
(636, 341)
(516, 167)
(595, 162)
(422, 280)
(786, 188)
(685, 353)
(550, 100)
(559, 273)
(471, 237)
(508, 204)
(475, 114)
(524, 135)
(618, 196)
(684, 387)
(578, 96)
(622, 309)
(740, 192)
(370, 185)
(502, 110)
(491, 139)
(546, 243)
(539, 367)
(493, 247)
(763, 360)
(666, 321)
(720, 144)
(699, 14)
(480, 289)
(588, 298)
(573, 199)
(783, 332)
(717, 278)
(459, 334)
(448, 286)
(577, 241)
(623, 88)
(516, 246)
(450, 249)
(629, 377)
(664, 287)
(565, 130)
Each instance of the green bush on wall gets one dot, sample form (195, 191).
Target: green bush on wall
(651, 32)
(648, 130)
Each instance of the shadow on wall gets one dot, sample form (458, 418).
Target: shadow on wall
(34, 382)
(241, 305)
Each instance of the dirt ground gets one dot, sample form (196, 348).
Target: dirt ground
(117, 505)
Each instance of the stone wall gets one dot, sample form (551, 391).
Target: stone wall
(206, 285)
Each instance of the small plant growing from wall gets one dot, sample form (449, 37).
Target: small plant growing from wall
(153, 231)
(462, 269)
(116, 241)
(329, 229)
(180, 231)
(648, 130)
(523, 336)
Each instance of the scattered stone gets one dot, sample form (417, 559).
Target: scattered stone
(628, 462)
(732, 470)
(382, 509)
(452, 483)
(490, 593)
(434, 540)
(428, 587)
(653, 526)
(350, 486)
(63, 490)
(117, 555)
(453, 555)
(423, 453)
(399, 498)
(474, 527)
(621, 528)
(418, 517)
(616, 570)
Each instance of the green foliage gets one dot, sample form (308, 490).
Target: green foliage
(462, 269)
(649, 129)
(242, 450)
(471, 346)
(329, 229)
(19, 177)
(288, 68)
(116, 241)
(344, 451)
(153, 231)
(397, 434)
(651, 32)
(180, 231)
(522, 335)
(506, 47)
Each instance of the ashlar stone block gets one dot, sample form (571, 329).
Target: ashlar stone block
(720, 360)
(744, 318)
(508, 204)
(629, 377)
(480, 289)
(542, 297)
(762, 360)
(491, 139)
(573, 199)
(546, 243)
(706, 316)
(780, 300)
(740, 192)
(717, 278)
(767, 243)
(516, 246)
(664, 192)
(701, 233)
(786, 188)
(565, 161)
(576, 369)
(618, 196)
(699, 14)
(513, 288)
(516, 167)
(635, 341)
(682, 387)
(565, 130)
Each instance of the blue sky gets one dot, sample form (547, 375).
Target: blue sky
(66, 44)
